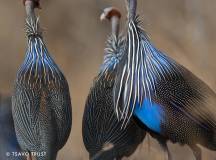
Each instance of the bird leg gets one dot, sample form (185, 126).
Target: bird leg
(149, 143)
(29, 157)
(168, 153)
(196, 151)
(165, 148)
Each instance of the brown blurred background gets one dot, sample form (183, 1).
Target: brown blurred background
(185, 29)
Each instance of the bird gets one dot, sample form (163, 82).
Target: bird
(41, 103)
(9, 147)
(170, 101)
(102, 135)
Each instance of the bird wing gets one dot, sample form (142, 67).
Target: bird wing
(60, 102)
(25, 109)
(186, 93)
(147, 76)
(102, 133)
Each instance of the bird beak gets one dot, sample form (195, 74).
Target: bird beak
(102, 17)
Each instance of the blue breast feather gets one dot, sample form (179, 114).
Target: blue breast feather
(150, 114)
(37, 57)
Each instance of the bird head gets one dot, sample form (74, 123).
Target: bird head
(113, 15)
(36, 3)
(109, 13)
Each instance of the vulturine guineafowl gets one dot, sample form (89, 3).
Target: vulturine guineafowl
(102, 135)
(9, 147)
(41, 103)
(170, 101)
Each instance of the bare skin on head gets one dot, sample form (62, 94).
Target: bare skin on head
(36, 3)
(131, 7)
(113, 15)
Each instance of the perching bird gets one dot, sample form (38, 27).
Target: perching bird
(102, 135)
(170, 101)
(41, 103)
(9, 147)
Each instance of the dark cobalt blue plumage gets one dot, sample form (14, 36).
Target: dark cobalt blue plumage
(170, 101)
(151, 114)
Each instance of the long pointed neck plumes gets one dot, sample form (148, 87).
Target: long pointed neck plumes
(38, 64)
(141, 66)
(132, 6)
